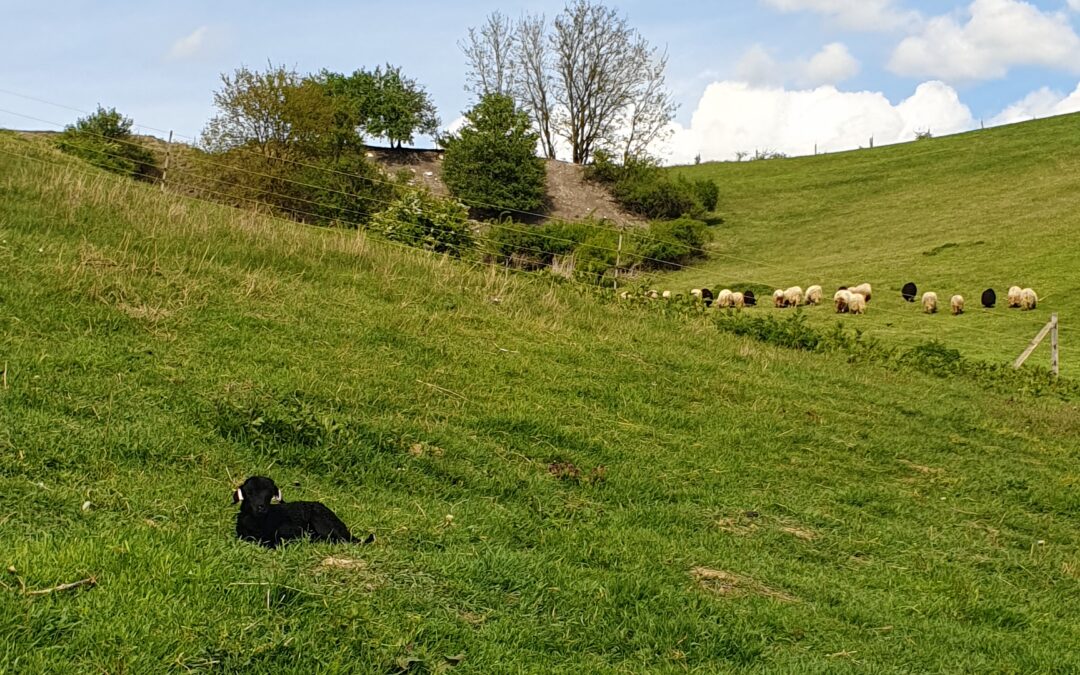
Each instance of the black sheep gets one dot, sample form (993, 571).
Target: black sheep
(707, 297)
(989, 298)
(262, 521)
(909, 291)
(749, 300)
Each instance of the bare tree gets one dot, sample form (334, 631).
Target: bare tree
(646, 120)
(587, 78)
(610, 82)
(490, 52)
(534, 80)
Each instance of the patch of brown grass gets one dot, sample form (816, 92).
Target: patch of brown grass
(731, 585)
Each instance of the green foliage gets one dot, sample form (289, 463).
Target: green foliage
(670, 243)
(642, 187)
(104, 139)
(708, 193)
(420, 219)
(279, 113)
(594, 245)
(346, 191)
(491, 163)
(283, 141)
(535, 246)
(385, 103)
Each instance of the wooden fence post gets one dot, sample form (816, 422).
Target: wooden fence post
(168, 158)
(618, 261)
(1055, 364)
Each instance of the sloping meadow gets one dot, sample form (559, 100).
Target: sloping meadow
(954, 215)
(557, 483)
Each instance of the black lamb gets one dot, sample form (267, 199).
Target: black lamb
(262, 521)
(909, 291)
(989, 298)
(749, 300)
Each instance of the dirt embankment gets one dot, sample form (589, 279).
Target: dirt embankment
(571, 197)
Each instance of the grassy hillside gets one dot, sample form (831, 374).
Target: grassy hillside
(958, 214)
(738, 507)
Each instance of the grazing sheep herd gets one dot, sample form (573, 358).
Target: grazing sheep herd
(846, 300)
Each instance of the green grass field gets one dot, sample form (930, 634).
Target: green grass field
(739, 507)
(956, 214)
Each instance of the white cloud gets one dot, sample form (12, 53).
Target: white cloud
(1074, 5)
(190, 45)
(1040, 103)
(998, 34)
(832, 65)
(868, 15)
(736, 116)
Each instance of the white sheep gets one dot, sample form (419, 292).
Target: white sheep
(778, 298)
(864, 290)
(696, 292)
(653, 293)
(813, 295)
(842, 300)
(793, 297)
(1028, 299)
(929, 302)
(737, 300)
(1014, 296)
(723, 299)
(666, 295)
(957, 305)
(856, 303)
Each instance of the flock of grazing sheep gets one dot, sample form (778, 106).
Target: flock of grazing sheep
(846, 300)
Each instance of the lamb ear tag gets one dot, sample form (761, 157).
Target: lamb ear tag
(278, 496)
(238, 496)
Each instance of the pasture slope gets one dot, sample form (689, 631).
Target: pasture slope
(558, 483)
(955, 214)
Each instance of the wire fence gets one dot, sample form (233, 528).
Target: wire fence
(227, 196)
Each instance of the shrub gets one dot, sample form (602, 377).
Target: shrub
(348, 190)
(708, 193)
(105, 140)
(491, 163)
(670, 243)
(420, 219)
(642, 187)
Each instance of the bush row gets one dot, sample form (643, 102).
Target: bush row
(591, 247)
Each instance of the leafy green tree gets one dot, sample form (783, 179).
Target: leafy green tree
(385, 103)
(284, 140)
(491, 163)
(279, 113)
(104, 139)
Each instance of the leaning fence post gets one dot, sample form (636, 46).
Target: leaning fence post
(1035, 343)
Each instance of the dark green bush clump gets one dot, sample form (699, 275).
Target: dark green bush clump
(491, 164)
(105, 140)
(642, 187)
(423, 220)
(671, 243)
(594, 245)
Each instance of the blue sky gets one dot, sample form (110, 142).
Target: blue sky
(775, 74)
